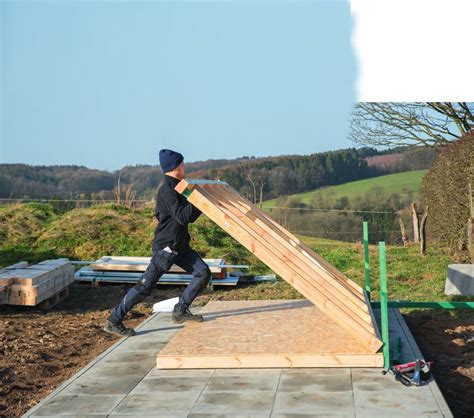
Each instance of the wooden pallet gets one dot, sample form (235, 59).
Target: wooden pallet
(53, 300)
(268, 333)
(21, 284)
(330, 290)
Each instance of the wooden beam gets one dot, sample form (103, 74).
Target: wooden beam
(314, 275)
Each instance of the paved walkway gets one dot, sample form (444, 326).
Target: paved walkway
(123, 382)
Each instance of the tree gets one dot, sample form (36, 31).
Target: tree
(410, 124)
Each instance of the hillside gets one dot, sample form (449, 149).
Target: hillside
(392, 183)
(254, 177)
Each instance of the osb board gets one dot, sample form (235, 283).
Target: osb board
(269, 333)
(316, 279)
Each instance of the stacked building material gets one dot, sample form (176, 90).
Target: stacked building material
(46, 282)
(139, 264)
(124, 269)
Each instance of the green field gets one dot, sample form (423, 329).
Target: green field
(391, 183)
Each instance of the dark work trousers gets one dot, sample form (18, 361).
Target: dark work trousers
(161, 261)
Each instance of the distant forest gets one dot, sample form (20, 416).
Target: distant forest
(256, 178)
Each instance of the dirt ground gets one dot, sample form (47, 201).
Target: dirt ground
(39, 350)
(449, 342)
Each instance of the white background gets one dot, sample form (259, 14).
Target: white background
(414, 50)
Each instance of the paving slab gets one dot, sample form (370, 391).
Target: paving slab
(124, 382)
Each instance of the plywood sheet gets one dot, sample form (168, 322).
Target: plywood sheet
(268, 333)
(316, 279)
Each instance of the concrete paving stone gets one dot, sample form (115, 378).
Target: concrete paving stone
(156, 385)
(69, 416)
(129, 356)
(166, 403)
(319, 370)
(252, 415)
(248, 402)
(84, 404)
(248, 372)
(310, 399)
(395, 410)
(315, 380)
(158, 329)
(94, 385)
(179, 373)
(161, 321)
(379, 395)
(242, 382)
(116, 371)
(318, 415)
(372, 381)
(152, 337)
(152, 344)
(151, 415)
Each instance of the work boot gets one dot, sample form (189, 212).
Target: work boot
(118, 329)
(181, 314)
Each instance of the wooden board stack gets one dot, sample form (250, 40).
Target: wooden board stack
(338, 297)
(45, 282)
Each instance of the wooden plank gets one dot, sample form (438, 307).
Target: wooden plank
(269, 361)
(264, 229)
(342, 296)
(265, 251)
(268, 333)
(32, 275)
(20, 265)
(264, 220)
(306, 250)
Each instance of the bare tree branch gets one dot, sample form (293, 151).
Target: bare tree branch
(410, 124)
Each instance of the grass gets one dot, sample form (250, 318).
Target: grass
(89, 233)
(391, 183)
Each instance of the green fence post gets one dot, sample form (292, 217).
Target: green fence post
(384, 304)
(366, 258)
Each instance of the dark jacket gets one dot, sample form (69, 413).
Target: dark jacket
(173, 212)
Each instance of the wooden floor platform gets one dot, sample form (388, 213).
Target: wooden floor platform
(267, 333)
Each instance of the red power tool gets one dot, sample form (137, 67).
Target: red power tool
(414, 373)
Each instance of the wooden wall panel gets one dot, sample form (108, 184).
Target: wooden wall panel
(315, 278)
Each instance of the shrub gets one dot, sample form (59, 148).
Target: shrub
(445, 189)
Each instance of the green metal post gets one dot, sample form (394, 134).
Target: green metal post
(366, 258)
(384, 304)
(431, 305)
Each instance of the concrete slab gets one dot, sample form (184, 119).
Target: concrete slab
(460, 280)
(124, 382)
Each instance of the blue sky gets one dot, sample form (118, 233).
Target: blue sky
(107, 84)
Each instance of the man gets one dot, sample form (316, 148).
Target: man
(170, 246)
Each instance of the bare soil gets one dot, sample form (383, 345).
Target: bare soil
(449, 342)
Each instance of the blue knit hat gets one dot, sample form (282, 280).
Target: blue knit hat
(169, 159)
